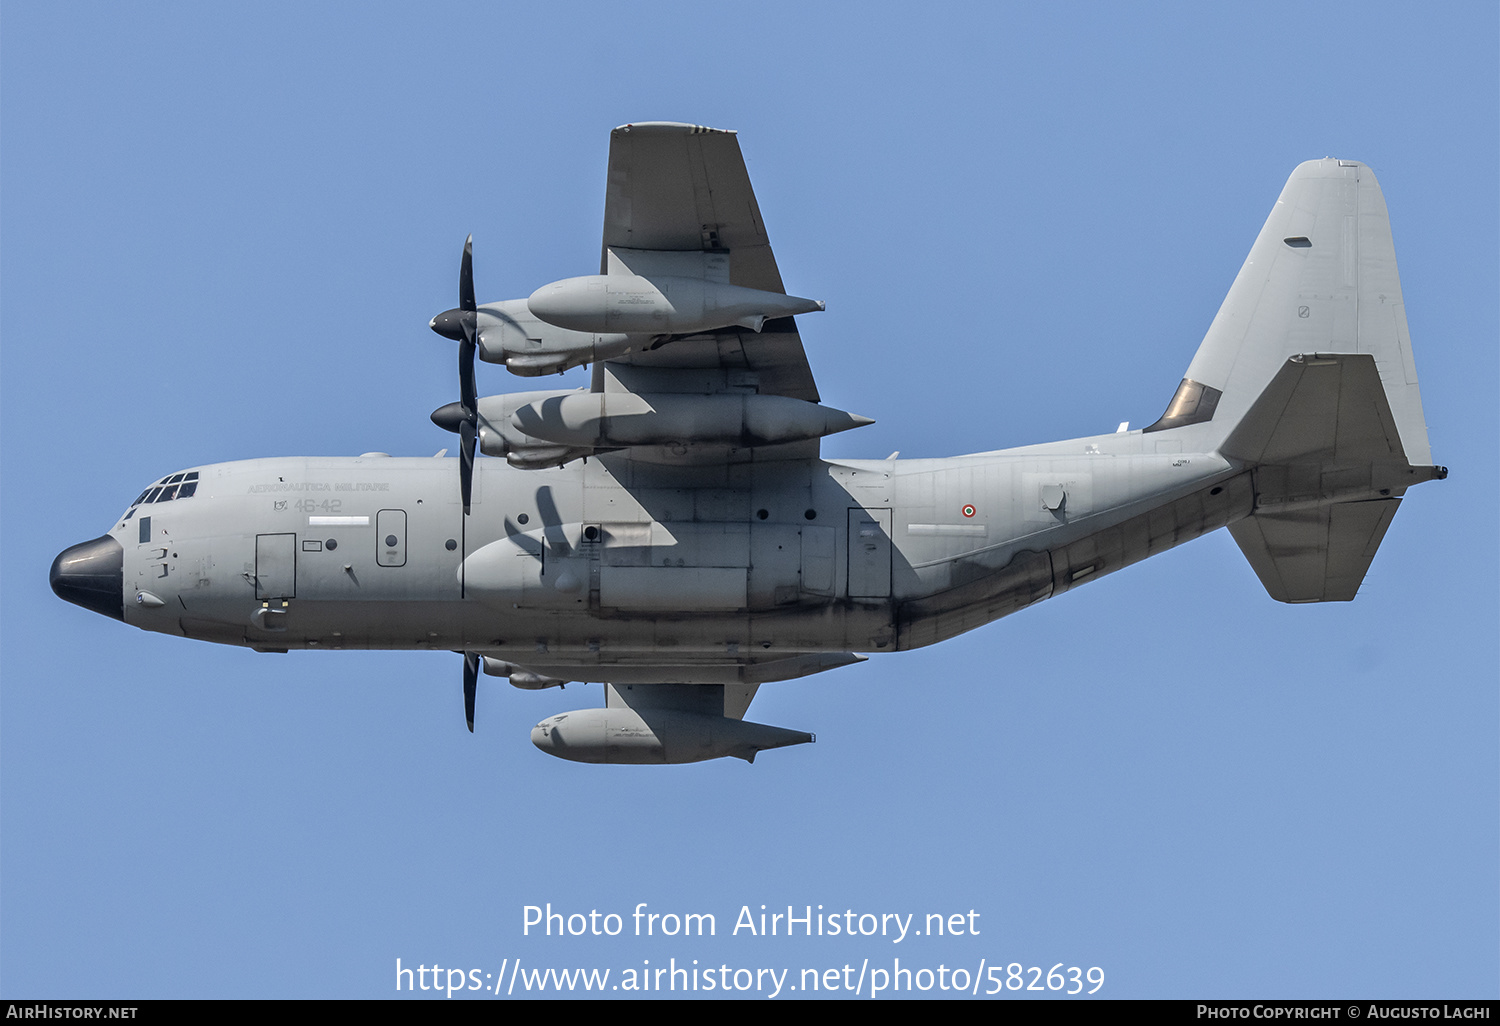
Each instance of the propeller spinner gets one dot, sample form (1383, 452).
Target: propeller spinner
(461, 325)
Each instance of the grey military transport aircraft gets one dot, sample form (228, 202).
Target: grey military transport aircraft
(672, 531)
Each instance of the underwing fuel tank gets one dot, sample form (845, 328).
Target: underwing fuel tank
(617, 419)
(623, 736)
(659, 305)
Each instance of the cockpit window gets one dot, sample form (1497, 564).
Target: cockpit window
(177, 486)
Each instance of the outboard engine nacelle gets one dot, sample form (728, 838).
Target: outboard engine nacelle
(634, 304)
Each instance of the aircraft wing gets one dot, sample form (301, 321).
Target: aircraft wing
(679, 202)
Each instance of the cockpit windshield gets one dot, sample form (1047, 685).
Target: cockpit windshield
(178, 486)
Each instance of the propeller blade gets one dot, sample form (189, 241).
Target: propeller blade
(466, 278)
(471, 682)
(467, 394)
(460, 322)
(466, 461)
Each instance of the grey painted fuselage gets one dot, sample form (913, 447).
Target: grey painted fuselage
(714, 571)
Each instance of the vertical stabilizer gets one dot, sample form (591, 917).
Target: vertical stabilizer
(1320, 279)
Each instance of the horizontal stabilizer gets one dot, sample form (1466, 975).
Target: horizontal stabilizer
(1319, 408)
(1315, 555)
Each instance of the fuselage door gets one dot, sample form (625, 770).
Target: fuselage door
(275, 566)
(869, 553)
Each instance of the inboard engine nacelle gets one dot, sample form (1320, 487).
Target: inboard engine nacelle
(659, 305)
(653, 736)
(549, 428)
(622, 419)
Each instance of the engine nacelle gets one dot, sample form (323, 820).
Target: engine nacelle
(625, 736)
(499, 437)
(659, 305)
(511, 334)
(620, 419)
(520, 677)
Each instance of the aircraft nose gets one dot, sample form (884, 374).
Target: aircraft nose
(91, 574)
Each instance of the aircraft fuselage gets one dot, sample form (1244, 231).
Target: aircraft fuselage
(577, 574)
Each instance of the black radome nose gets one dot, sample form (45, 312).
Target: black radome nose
(91, 574)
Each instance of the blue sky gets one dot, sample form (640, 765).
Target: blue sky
(222, 231)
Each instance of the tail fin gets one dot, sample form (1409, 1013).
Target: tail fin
(1306, 375)
(1321, 278)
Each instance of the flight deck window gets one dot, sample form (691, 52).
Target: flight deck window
(178, 486)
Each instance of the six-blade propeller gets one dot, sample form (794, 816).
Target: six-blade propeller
(462, 325)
